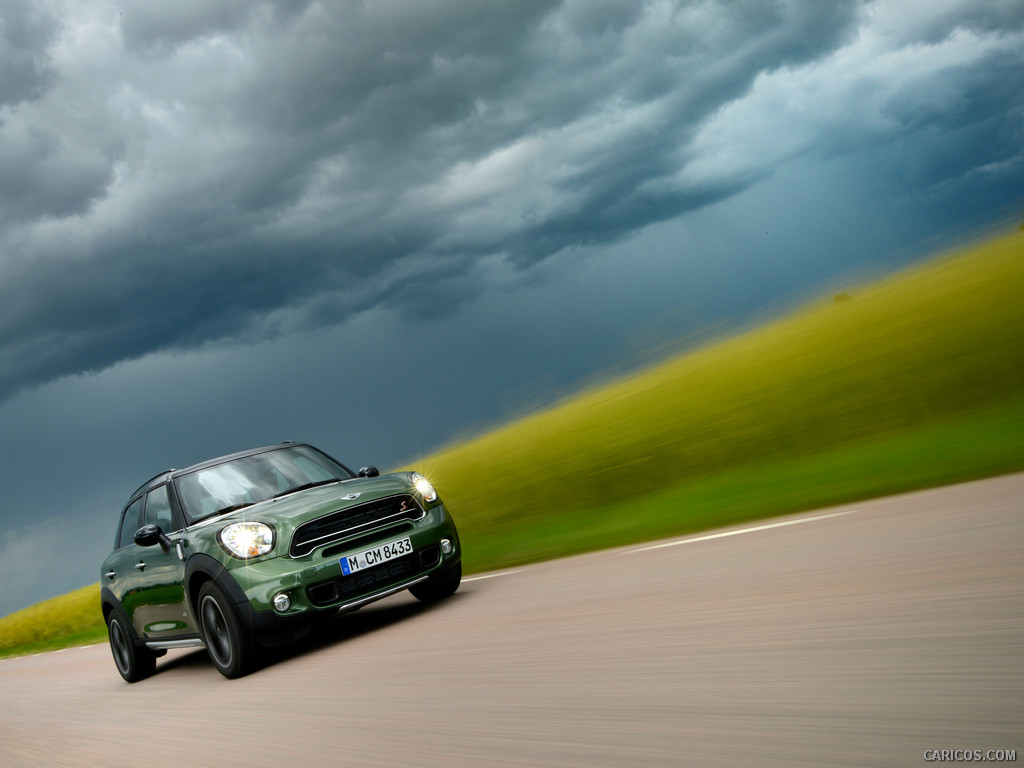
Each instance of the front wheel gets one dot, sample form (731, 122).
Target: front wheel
(434, 589)
(228, 643)
(132, 662)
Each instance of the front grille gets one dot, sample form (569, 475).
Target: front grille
(379, 577)
(353, 520)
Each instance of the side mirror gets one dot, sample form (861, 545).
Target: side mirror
(148, 535)
(369, 472)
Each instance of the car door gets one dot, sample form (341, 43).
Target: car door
(162, 610)
(119, 573)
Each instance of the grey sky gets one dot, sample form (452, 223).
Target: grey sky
(375, 226)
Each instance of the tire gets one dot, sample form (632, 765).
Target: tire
(133, 662)
(228, 644)
(439, 587)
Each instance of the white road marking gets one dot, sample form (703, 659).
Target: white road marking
(490, 576)
(722, 535)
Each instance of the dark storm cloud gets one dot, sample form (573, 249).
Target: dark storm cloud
(25, 31)
(186, 173)
(152, 28)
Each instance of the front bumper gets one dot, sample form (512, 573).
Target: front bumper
(316, 585)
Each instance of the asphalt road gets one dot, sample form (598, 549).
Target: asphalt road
(857, 636)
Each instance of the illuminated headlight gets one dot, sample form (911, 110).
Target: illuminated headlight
(424, 487)
(247, 539)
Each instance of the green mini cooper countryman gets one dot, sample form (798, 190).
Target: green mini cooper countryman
(249, 550)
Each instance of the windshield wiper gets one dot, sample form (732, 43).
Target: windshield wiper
(232, 508)
(306, 486)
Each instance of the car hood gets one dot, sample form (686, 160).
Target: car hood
(286, 513)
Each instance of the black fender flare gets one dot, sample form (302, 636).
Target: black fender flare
(201, 567)
(108, 605)
(107, 600)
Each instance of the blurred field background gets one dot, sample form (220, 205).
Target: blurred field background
(910, 382)
(913, 381)
(59, 622)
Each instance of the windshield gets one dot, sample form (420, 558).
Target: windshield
(251, 479)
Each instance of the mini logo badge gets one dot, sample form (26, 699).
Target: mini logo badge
(350, 497)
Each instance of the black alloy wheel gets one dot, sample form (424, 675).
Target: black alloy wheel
(230, 647)
(133, 663)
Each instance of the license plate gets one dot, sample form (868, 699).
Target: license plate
(375, 556)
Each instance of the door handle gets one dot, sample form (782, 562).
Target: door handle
(110, 574)
(140, 566)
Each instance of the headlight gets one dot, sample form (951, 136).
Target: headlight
(246, 540)
(424, 487)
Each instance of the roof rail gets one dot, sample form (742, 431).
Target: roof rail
(154, 477)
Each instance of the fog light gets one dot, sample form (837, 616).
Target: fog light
(282, 602)
(446, 546)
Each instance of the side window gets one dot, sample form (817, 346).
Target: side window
(130, 524)
(158, 509)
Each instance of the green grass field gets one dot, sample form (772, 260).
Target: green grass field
(910, 382)
(60, 622)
